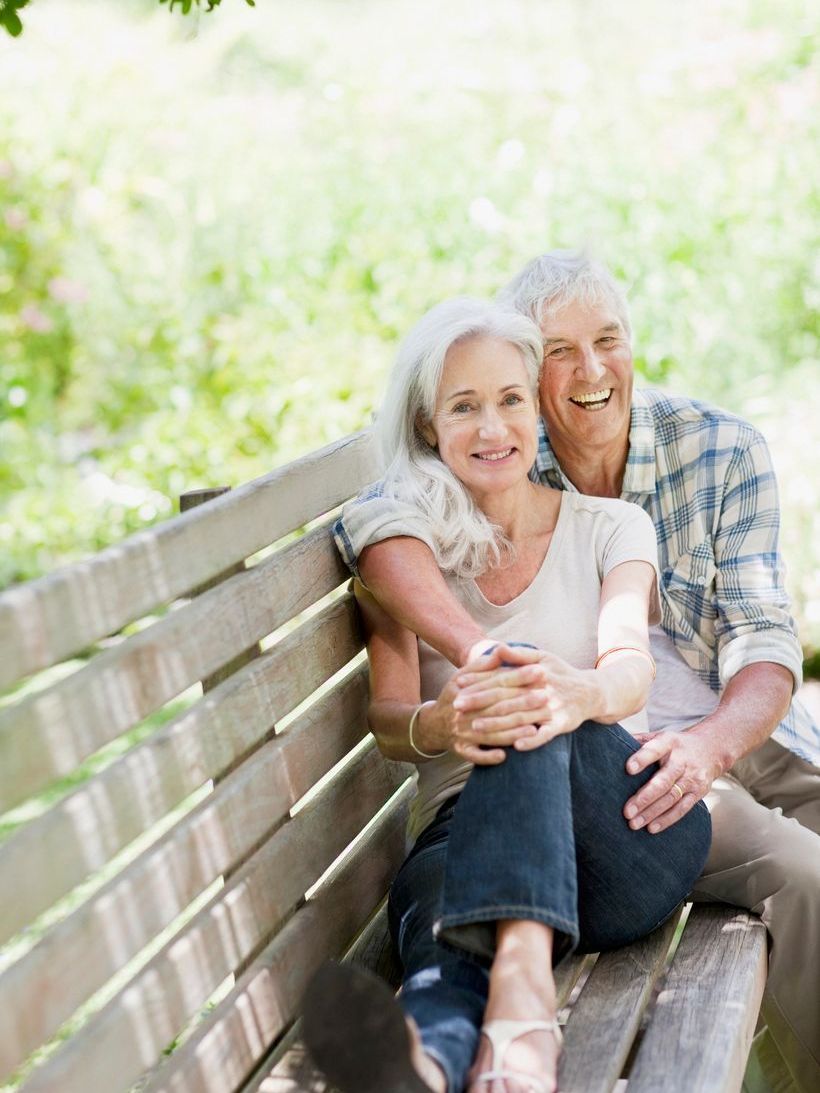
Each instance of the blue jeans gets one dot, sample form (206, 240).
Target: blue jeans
(541, 837)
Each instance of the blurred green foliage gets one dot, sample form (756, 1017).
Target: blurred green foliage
(10, 19)
(213, 233)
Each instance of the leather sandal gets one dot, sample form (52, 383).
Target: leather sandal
(356, 1034)
(501, 1034)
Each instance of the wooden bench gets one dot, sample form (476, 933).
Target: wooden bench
(195, 817)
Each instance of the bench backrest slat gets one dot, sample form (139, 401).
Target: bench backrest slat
(140, 1021)
(186, 853)
(238, 1034)
(162, 881)
(48, 620)
(47, 734)
(270, 688)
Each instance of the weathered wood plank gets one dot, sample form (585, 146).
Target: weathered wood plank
(46, 621)
(607, 1014)
(131, 1031)
(48, 733)
(83, 832)
(83, 951)
(701, 1031)
(263, 1003)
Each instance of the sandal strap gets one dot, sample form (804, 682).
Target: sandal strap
(501, 1034)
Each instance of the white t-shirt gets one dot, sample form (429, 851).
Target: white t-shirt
(558, 612)
(679, 697)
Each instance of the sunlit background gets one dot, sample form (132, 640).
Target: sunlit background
(214, 228)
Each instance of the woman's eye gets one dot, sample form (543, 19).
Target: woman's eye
(512, 400)
(461, 408)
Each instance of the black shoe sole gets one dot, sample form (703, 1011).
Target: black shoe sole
(356, 1034)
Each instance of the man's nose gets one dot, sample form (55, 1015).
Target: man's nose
(590, 367)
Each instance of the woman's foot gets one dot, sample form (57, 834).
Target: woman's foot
(520, 1042)
(517, 1057)
(358, 1036)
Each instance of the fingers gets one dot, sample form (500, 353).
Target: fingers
(497, 702)
(482, 757)
(524, 676)
(651, 752)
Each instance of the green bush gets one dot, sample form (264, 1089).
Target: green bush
(213, 232)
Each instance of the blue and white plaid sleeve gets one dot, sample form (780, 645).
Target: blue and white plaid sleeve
(370, 518)
(753, 623)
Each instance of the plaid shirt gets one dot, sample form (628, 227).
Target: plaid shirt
(706, 479)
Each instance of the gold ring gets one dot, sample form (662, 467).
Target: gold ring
(680, 791)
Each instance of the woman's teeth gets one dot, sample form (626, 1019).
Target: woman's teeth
(490, 457)
(593, 399)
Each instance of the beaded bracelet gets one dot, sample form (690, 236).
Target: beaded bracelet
(628, 649)
(413, 720)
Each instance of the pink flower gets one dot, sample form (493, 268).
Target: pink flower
(35, 319)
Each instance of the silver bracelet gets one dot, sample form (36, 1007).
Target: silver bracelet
(413, 720)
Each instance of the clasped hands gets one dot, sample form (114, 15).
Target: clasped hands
(487, 706)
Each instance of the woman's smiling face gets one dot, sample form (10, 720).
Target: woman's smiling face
(484, 423)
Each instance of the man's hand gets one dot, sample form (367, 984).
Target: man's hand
(689, 765)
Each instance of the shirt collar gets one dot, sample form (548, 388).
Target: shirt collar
(639, 476)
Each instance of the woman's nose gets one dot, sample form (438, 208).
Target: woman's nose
(491, 424)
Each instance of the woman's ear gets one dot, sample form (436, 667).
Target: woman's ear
(427, 431)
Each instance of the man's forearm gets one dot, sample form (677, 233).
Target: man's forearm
(403, 576)
(750, 709)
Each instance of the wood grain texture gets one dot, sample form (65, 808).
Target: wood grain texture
(230, 1044)
(701, 1030)
(48, 733)
(82, 952)
(607, 1014)
(46, 621)
(131, 1031)
(47, 857)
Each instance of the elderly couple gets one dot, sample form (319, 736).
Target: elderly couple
(543, 538)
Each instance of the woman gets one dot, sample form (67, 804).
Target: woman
(521, 850)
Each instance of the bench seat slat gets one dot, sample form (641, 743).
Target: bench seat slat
(100, 936)
(701, 1031)
(607, 1014)
(47, 734)
(50, 619)
(86, 829)
(238, 1035)
(178, 981)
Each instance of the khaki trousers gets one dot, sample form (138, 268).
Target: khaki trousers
(765, 856)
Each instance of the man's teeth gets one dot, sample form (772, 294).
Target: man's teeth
(594, 396)
(492, 456)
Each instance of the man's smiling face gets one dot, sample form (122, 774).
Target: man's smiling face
(586, 384)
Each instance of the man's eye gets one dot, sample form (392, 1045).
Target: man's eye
(559, 351)
(608, 340)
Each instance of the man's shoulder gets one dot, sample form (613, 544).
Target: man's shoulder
(677, 416)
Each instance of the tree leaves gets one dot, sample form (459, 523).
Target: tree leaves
(9, 17)
(13, 24)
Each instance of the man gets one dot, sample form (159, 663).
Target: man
(724, 726)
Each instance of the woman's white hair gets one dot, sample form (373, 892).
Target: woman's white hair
(561, 277)
(465, 541)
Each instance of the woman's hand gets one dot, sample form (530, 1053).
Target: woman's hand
(542, 689)
(444, 726)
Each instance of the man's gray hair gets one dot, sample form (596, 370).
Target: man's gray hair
(561, 277)
(465, 541)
